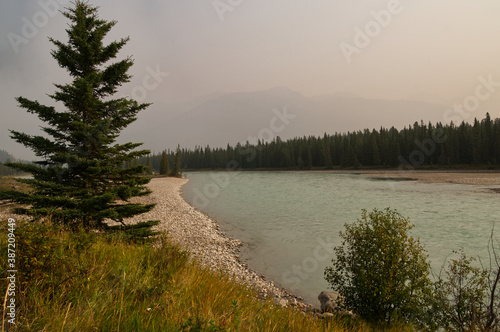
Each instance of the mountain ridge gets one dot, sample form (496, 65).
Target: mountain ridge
(228, 118)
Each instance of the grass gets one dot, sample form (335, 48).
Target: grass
(84, 281)
(10, 183)
(87, 281)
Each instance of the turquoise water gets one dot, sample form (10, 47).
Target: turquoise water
(289, 221)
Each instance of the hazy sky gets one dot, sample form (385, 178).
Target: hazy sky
(377, 49)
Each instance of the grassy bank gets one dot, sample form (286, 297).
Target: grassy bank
(10, 183)
(84, 281)
(88, 281)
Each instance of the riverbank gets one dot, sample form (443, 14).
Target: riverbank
(105, 282)
(200, 235)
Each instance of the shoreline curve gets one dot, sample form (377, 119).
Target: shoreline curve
(200, 235)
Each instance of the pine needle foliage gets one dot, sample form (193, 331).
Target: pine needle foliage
(177, 163)
(80, 177)
(164, 167)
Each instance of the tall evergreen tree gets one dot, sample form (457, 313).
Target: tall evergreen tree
(149, 166)
(327, 153)
(496, 141)
(164, 167)
(309, 159)
(487, 139)
(375, 153)
(79, 177)
(177, 163)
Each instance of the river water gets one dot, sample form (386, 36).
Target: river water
(289, 221)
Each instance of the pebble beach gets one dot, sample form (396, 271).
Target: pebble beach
(199, 234)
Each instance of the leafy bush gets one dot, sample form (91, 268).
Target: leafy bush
(380, 271)
(467, 296)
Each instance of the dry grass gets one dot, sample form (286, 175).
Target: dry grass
(10, 183)
(86, 281)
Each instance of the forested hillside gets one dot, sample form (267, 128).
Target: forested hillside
(4, 170)
(476, 144)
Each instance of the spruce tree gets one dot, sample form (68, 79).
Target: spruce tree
(164, 167)
(177, 163)
(80, 176)
(149, 166)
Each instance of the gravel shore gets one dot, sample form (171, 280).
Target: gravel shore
(200, 235)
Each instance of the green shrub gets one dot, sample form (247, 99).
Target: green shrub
(467, 299)
(380, 271)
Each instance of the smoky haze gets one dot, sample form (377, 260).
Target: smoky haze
(341, 65)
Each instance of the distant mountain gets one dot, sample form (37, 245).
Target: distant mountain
(359, 113)
(339, 94)
(429, 98)
(220, 119)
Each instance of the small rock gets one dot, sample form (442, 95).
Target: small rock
(328, 301)
(280, 301)
(283, 303)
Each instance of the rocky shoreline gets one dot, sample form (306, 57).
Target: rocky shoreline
(199, 234)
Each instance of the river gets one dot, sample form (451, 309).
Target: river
(289, 221)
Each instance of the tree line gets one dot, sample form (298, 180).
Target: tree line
(418, 145)
(468, 144)
(166, 163)
(6, 157)
(7, 171)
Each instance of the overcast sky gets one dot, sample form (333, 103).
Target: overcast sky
(375, 49)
